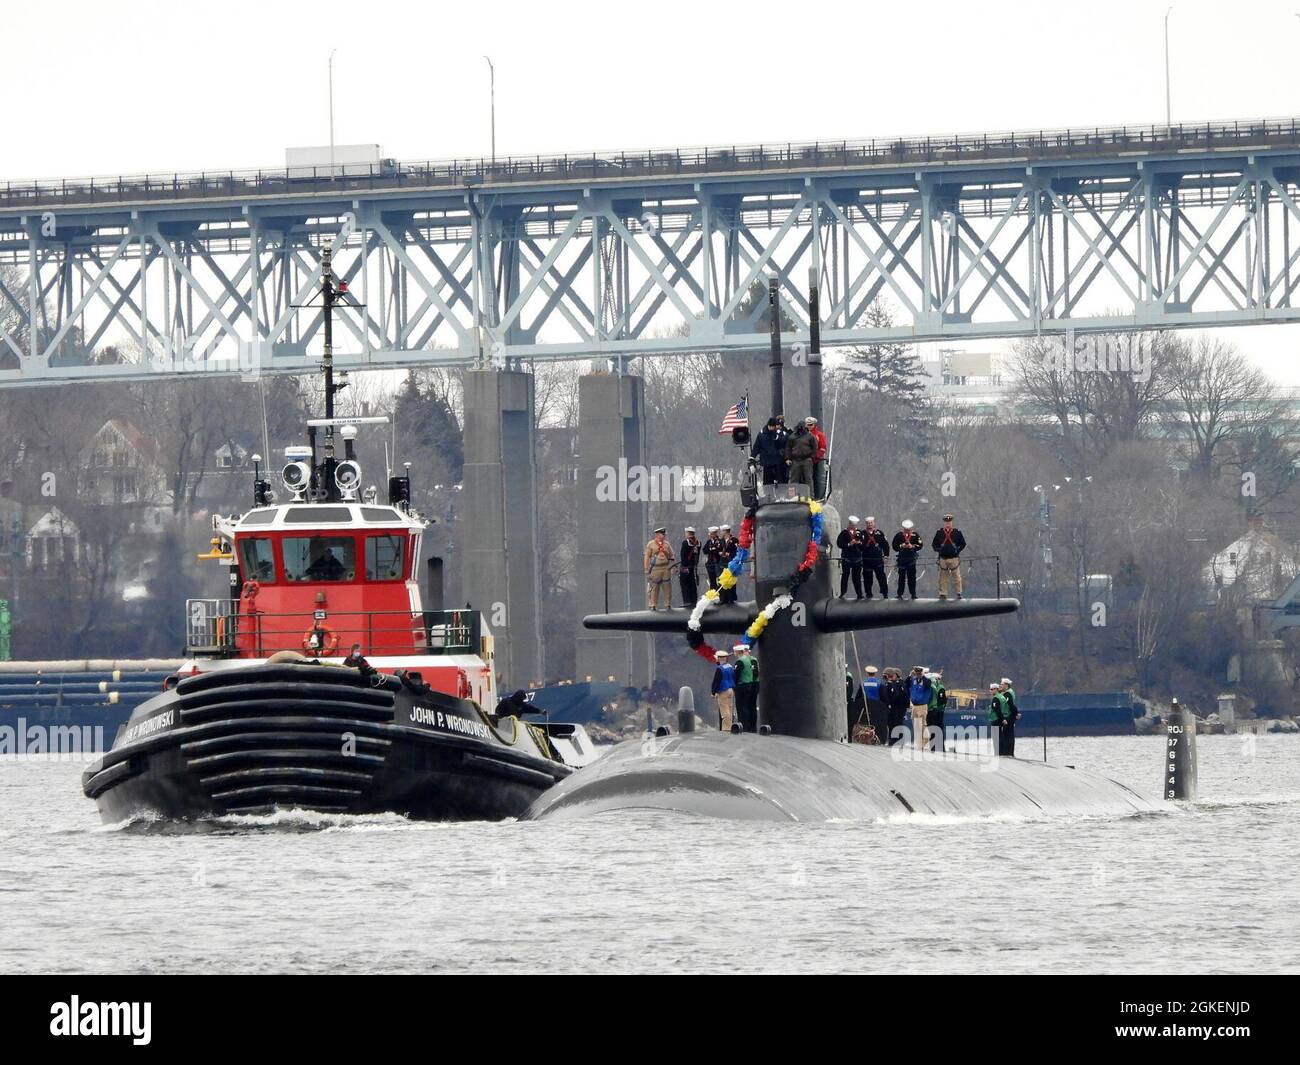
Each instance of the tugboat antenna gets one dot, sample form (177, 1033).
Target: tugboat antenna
(327, 296)
(332, 292)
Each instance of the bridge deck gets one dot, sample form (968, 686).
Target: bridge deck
(664, 165)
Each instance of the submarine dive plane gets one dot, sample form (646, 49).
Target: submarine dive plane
(800, 765)
(268, 713)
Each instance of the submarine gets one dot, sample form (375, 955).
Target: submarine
(800, 765)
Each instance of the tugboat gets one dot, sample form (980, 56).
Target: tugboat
(322, 682)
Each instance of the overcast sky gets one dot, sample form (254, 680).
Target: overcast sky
(97, 88)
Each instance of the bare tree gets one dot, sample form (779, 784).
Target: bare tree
(191, 418)
(13, 322)
(1092, 403)
(1217, 396)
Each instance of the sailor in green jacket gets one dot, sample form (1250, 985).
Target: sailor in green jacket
(1000, 718)
(1012, 715)
(934, 713)
(746, 688)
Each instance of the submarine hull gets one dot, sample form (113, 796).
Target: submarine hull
(788, 778)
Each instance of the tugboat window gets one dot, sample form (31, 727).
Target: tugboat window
(379, 514)
(319, 558)
(257, 560)
(316, 515)
(384, 558)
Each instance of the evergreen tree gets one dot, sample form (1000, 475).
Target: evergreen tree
(890, 379)
(427, 426)
(887, 371)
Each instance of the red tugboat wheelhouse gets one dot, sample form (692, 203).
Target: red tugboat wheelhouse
(275, 709)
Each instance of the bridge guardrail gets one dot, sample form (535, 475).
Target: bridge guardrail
(458, 173)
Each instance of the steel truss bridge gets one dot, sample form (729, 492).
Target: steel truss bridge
(616, 255)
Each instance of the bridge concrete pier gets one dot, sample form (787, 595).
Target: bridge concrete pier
(499, 558)
(611, 529)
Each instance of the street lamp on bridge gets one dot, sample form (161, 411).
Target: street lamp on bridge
(1169, 111)
(331, 80)
(492, 103)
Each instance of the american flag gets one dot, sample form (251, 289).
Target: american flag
(737, 417)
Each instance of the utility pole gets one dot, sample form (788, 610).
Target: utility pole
(492, 98)
(1045, 533)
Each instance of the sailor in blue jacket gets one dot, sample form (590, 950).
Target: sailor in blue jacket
(724, 690)
(919, 691)
(877, 712)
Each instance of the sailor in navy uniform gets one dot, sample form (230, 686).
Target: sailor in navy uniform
(850, 544)
(714, 548)
(907, 543)
(688, 572)
(875, 549)
(731, 546)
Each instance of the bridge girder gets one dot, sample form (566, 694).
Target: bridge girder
(614, 268)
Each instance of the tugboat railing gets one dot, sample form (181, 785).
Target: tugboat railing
(218, 627)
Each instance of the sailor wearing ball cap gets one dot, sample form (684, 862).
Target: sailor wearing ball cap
(948, 544)
(877, 714)
(769, 451)
(746, 687)
(658, 565)
(907, 542)
(938, 703)
(919, 690)
(820, 457)
(724, 690)
(1001, 720)
(1012, 714)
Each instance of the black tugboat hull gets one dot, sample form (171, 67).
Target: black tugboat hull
(320, 738)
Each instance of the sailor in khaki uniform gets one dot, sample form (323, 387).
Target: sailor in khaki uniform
(659, 559)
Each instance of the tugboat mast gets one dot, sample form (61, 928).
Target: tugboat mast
(333, 292)
(327, 295)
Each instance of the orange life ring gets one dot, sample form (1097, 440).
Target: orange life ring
(331, 640)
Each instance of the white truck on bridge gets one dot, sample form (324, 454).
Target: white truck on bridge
(343, 160)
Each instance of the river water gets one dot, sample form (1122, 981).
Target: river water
(1208, 886)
